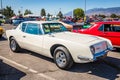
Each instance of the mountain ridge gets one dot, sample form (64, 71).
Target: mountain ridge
(104, 11)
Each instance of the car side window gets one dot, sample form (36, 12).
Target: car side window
(33, 29)
(46, 28)
(101, 28)
(23, 26)
(115, 28)
(105, 27)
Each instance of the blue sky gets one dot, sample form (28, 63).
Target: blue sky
(53, 6)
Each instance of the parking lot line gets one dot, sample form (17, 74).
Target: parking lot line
(3, 44)
(27, 68)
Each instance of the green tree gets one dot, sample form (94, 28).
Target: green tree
(60, 15)
(43, 13)
(48, 15)
(113, 15)
(8, 12)
(119, 16)
(27, 12)
(19, 13)
(101, 15)
(79, 13)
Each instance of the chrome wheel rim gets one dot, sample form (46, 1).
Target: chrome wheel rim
(13, 45)
(61, 59)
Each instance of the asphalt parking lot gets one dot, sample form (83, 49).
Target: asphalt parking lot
(28, 65)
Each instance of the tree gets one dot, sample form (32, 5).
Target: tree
(19, 13)
(27, 12)
(43, 13)
(101, 15)
(78, 13)
(113, 15)
(48, 15)
(119, 16)
(8, 12)
(60, 15)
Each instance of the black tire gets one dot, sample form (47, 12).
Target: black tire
(14, 45)
(63, 58)
(0, 36)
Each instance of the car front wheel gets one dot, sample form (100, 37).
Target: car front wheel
(14, 45)
(63, 58)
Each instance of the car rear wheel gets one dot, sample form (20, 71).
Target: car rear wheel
(14, 45)
(0, 36)
(63, 58)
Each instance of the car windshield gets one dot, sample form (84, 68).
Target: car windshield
(53, 28)
(87, 26)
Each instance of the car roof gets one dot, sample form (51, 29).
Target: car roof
(40, 22)
(108, 22)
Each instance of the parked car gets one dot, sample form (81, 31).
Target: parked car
(77, 28)
(52, 39)
(109, 30)
(71, 25)
(17, 21)
(67, 25)
(1, 31)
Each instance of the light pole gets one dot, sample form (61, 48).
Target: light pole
(1, 6)
(85, 13)
(85, 7)
(22, 11)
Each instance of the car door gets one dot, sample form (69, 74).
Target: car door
(32, 38)
(110, 32)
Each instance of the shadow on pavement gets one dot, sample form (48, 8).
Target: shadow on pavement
(3, 39)
(8, 72)
(36, 55)
(114, 62)
(116, 49)
(97, 68)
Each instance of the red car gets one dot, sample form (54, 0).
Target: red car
(109, 30)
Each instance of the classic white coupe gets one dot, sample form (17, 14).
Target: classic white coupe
(52, 39)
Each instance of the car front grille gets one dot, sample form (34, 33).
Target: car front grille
(100, 47)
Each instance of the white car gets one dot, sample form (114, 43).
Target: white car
(52, 39)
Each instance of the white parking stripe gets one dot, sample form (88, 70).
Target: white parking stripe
(45, 76)
(33, 71)
(13, 62)
(29, 69)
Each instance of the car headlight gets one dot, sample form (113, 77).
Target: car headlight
(92, 49)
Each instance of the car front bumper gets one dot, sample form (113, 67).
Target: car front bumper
(96, 56)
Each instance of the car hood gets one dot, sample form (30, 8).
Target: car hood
(75, 37)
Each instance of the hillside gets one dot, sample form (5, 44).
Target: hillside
(105, 11)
